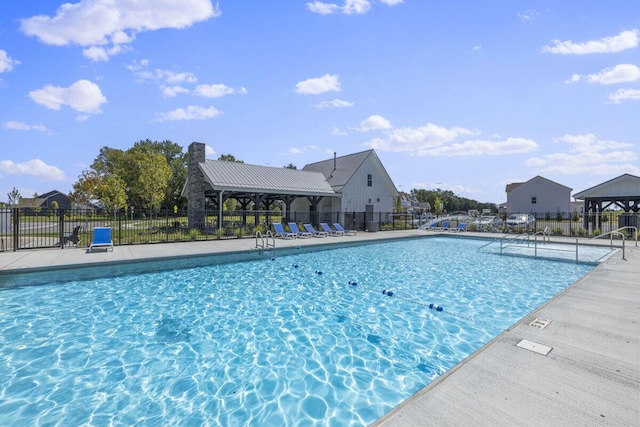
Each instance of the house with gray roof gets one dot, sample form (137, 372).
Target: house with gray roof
(538, 195)
(333, 190)
(363, 186)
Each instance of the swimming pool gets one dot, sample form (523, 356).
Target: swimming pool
(282, 341)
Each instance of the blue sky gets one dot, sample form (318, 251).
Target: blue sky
(465, 96)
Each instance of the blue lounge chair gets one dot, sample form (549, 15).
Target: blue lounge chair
(461, 227)
(346, 232)
(281, 233)
(445, 225)
(101, 239)
(330, 231)
(314, 232)
(294, 229)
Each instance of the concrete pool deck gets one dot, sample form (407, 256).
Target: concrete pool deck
(590, 376)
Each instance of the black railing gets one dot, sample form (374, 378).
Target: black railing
(28, 228)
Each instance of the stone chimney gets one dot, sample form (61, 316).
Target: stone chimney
(195, 192)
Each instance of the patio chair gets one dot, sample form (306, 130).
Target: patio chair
(346, 232)
(330, 231)
(72, 237)
(101, 239)
(314, 232)
(294, 229)
(281, 233)
(445, 225)
(461, 227)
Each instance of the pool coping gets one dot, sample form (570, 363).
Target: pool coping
(591, 375)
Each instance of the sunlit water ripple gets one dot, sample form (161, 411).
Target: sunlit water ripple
(268, 342)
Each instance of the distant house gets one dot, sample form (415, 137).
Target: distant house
(364, 188)
(538, 195)
(46, 200)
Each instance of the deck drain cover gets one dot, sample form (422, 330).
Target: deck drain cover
(534, 346)
(540, 323)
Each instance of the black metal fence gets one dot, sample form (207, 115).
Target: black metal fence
(28, 228)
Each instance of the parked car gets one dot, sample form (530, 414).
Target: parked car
(526, 221)
(488, 222)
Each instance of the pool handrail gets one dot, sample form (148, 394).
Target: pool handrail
(618, 232)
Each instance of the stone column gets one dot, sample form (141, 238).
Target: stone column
(195, 192)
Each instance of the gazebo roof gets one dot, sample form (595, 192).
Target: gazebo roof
(623, 186)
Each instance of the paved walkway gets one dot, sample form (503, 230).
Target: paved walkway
(590, 376)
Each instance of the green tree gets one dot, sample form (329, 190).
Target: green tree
(153, 177)
(291, 166)
(14, 197)
(229, 158)
(177, 161)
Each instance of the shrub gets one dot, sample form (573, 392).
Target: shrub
(473, 227)
(547, 216)
(194, 233)
(557, 231)
(219, 233)
(597, 232)
(558, 216)
(240, 232)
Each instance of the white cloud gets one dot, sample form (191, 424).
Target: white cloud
(217, 91)
(476, 48)
(34, 167)
(374, 122)
(589, 143)
(528, 14)
(621, 73)
(192, 112)
(336, 103)
(318, 85)
(485, 148)
(300, 150)
(420, 140)
(83, 96)
(171, 91)
(16, 125)
(434, 140)
(110, 25)
(6, 62)
(588, 155)
(337, 132)
(349, 7)
(624, 40)
(624, 94)
(209, 151)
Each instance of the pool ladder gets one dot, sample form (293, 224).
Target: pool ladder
(265, 242)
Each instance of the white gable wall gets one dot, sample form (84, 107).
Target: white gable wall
(357, 194)
(547, 195)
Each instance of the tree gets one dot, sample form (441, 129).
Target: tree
(177, 161)
(140, 176)
(291, 166)
(229, 158)
(14, 197)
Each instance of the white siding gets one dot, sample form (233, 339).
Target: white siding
(549, 197)
(357, 194)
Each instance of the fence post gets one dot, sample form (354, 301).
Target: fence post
(16, 228)
(61, 227)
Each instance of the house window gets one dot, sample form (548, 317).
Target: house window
(533, 200)
(369, 179)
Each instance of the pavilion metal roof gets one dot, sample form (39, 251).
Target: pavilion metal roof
(245, 178)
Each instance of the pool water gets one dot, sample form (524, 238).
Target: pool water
(285, 340)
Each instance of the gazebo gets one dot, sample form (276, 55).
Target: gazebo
(622, 192)
(248, 184)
